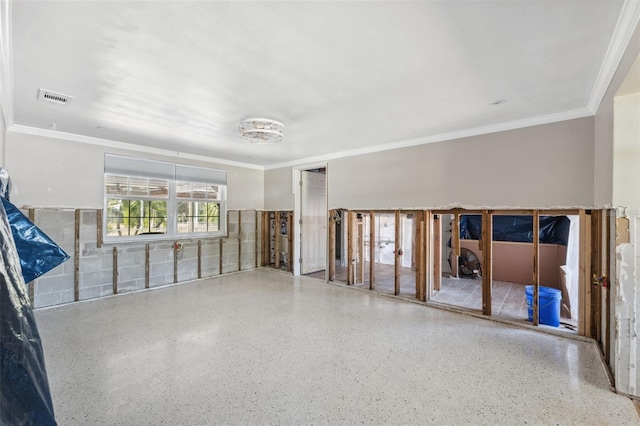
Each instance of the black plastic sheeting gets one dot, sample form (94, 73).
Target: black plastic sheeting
(25, 398)
(38, 253)
(553, 229)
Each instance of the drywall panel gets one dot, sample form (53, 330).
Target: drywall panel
(278, 193)
(48, 172)
(540, 166)
(626, 152)
(54, 173)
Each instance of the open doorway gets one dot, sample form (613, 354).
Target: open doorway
(310, 220)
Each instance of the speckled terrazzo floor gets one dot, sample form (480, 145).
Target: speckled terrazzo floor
(263, 347)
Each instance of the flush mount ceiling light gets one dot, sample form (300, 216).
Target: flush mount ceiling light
(261, 130)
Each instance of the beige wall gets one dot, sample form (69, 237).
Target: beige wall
(49, 172)
(603, 127)
(626, 152)
(278, 193)
(541, 166)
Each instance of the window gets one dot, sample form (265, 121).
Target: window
(147, 199)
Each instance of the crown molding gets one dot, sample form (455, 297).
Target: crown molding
(476, 131)
(125, 146)
(627, 23)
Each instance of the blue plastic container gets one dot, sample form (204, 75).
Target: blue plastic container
(548, 305)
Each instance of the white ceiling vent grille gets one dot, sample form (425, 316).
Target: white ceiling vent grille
(53, 97)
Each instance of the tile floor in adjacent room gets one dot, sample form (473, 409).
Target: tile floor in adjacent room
(264, 347)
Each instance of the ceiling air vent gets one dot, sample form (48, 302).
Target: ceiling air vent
(53, 97)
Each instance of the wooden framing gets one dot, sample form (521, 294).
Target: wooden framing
(584, 286)
(372, 250)
(536, 267)
(220, 250)
(359, 249)
(332, 246)
(115, 270)
(455, 243)
(350, 248)
(257, 242)
(199, 258)
(99, 228)
(487, 258)
(175, 262)
(276, 243)
(421, 252)
(610, 270)
(290, 241)
(266, 247)
(398, 261)
(437, 251)
(239, 240)
(596, 272)
(146, 265)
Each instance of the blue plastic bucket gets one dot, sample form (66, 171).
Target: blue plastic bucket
(548, 305)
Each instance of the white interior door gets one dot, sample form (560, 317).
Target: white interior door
(313, 230)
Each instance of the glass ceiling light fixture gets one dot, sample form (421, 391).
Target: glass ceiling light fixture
(261, 130)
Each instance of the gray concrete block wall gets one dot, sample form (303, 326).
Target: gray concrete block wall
(131, 267)
(229, 255)
(248, 239)
(96, 264)
(56, 286)
(95, 268)
(210, 258)
(188, 261)
(160, 264)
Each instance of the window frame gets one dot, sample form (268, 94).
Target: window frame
(172, 200)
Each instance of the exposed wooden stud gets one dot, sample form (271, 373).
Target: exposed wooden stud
(455, 244)
(372, 250)
(596, 272)
(536, 267)
(99, 228)
(426, 256)
(487, 250)
(561, 212)
(32, 284)
(515, 212)
(437, 251)
(610, 268)
(398, 260)
(257, 239)
(147, 269)
(277, 235)
(239, 240)
(359, 250)
(332, 245)
(350, 248)
(420, 252)
(199, 258)
(76, 257)
(115, 270)
(266, 239)
(290, 240)
(175, 262)
(584, 284)
(220, 250)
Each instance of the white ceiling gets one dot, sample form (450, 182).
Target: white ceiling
(341, 76)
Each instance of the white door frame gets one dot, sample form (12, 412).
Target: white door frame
(297, 203)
